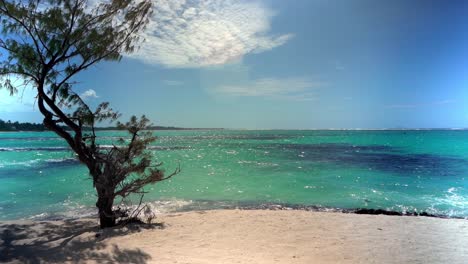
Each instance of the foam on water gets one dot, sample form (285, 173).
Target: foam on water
(76, 211)
(26, 149)
(456, 204)
(36, 162)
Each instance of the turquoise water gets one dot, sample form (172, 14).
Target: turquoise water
(393, 170)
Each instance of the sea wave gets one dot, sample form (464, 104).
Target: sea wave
(26, 163)
(233, 137)
(62, 161)
(155, 208)
(77, 211)
(455, 199)
(55, 149)
(39, 163)
(24, 149)
(152, 147)
(30, 138)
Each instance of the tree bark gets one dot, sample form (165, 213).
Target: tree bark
(104, 205)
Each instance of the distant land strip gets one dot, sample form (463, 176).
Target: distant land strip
(6, 126)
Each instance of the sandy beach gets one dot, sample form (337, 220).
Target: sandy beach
(241, 236)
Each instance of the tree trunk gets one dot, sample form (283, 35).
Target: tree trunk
(104, 205)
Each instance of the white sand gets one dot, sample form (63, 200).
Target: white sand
(236, 236)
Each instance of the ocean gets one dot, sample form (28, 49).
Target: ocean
(404, 171)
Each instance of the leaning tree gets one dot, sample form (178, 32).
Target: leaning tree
(45, 44)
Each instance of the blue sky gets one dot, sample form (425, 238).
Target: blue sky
(299, 64)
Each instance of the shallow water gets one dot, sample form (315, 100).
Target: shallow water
(393, 170)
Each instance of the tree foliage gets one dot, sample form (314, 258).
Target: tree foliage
(17, 126)
(45, 44)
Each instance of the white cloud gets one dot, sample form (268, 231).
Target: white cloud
(197, 33)
(339, 66)
(296, 89)
(88, 94)
(173, 82)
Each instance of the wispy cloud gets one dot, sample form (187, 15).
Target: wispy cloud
(190, 34)
(338, 65)
(296, 89)
(173, 83)
(418, 105)
(23, 101)
(89, 94)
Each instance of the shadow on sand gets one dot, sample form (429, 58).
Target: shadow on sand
(71, 241)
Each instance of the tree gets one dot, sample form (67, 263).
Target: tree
(46, 43)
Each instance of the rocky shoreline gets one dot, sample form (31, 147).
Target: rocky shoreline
(207, 205)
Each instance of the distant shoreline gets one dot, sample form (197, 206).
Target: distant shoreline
(117, 129)
(38, 127)
(273, 129)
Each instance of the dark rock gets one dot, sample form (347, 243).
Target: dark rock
(376, 212)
